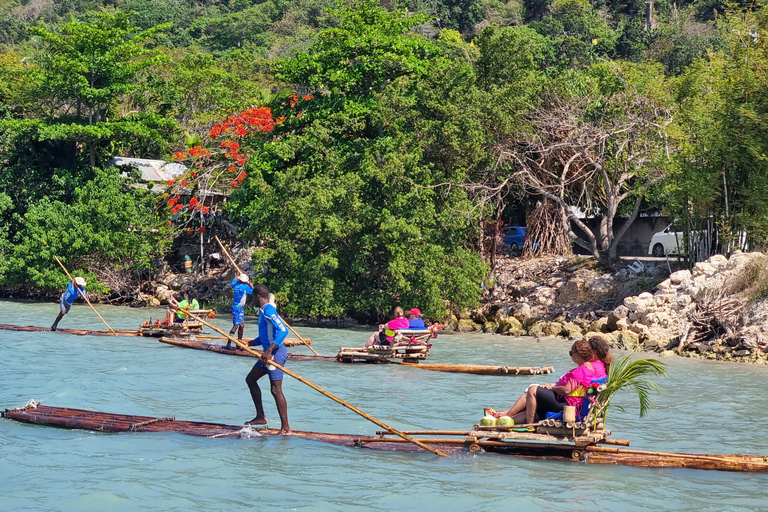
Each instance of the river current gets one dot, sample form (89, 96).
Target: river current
(703, 407)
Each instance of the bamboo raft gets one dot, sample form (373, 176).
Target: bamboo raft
(553, 444)
(475, 369)
(289, 342)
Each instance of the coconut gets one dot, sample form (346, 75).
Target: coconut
(504, 421)
(488, 421)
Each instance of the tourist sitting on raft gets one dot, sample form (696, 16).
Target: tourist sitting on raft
(175, 311)
(397, 323)
(414, 320)
(593, 362)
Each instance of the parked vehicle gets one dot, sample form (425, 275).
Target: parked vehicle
(671, 241)
(514, 237)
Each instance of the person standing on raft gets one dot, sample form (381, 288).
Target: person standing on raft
(241, 286)
(272, 332)
(75, 288)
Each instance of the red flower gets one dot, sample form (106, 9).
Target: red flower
(193, 201)
(173, 201)
(200, 229)
(170, 182)
(184, 183)
(176, 209)
(233, 183)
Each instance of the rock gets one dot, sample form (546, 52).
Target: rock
(553, 329)
(742, 353)
(703, 269)
(680, 277)
(511, 326)
(571, 330)
(650, 344)
(466, 325)
(600, 325)
(600, 286)
(537, 328)
(629, 340)
(522, 313)
(614, 316)
(490, 327)
(568, 293)
(622, 325)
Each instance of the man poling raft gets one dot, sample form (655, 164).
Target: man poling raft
(75, 288)
(333, 397)
(272, 332)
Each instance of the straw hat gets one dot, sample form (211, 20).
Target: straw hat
(243, 278)
(79, 281)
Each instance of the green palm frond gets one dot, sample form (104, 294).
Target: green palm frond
(637, 373)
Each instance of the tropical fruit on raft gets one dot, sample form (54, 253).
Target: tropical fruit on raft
(488, 421)
(504, 421)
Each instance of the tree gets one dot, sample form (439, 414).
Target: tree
(590, 152)
(338, 201)
(86, 67)
(107, 225)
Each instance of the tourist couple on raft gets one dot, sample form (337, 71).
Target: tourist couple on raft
(593, 361)
(398, 323)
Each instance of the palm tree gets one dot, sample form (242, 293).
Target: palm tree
(624, 373)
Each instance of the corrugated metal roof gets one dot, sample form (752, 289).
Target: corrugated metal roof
(151, 170)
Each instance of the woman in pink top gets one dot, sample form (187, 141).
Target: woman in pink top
(399, 322)
(571, 389)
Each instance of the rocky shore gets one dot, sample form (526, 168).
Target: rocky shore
(719, 310)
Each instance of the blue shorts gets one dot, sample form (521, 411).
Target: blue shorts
(280, 356)
(63, 304)
(238, 315)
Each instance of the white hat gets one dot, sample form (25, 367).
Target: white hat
(79, 281)
(243, 278)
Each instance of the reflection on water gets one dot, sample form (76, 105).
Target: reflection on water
(708, 407)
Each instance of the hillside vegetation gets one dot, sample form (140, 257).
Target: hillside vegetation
(369, 152)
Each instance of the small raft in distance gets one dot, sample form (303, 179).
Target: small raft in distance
(553, 448)
(475, 369)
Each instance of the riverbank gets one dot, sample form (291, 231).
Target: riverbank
(718, 311)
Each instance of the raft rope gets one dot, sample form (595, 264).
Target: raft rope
(140, 424)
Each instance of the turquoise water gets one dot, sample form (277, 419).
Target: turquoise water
(709, 407)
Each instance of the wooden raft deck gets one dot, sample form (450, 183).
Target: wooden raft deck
(154, 333)
(475, 369)
(492, 441)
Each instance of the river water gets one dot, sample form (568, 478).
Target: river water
(708, 407)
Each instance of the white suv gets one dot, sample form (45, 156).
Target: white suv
(668, 241)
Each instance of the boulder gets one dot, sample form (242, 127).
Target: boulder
(467, 325)
(614, 316)
(553, 329)
(490, 327)
(511, 326)
(680, 277)
(571, 330)
(600, 325)
(568, 293)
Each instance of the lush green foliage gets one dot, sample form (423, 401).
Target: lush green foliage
(628, 373)
(383, 141)
(107, 221)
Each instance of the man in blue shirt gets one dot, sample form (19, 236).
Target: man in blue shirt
(242, 287)
(74, 289)
(272, 332)
(414, 322)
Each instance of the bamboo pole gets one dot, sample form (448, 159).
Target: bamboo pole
(283, 319)
(83, 294)
(323, 391)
